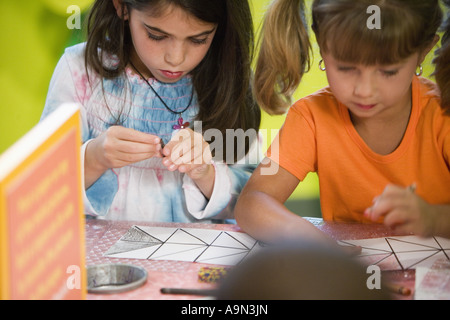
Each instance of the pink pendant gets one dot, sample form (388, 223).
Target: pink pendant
(180, 124)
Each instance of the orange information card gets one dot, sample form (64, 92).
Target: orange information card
(41, 212)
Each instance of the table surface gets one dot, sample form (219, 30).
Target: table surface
(102, 234)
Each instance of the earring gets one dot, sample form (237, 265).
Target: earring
(420, 71)
(321, 66)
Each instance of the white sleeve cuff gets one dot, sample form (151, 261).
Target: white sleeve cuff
(198, 205)
(88, 208)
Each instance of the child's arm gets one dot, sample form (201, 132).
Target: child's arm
(260, 210)
(406, 212)
(115, 148)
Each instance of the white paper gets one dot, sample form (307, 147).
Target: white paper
(184, 244)
(403, 252)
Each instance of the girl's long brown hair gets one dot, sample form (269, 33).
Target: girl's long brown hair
(222, 80)
(340, 26)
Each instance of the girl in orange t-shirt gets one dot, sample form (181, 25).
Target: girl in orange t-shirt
(377, 137)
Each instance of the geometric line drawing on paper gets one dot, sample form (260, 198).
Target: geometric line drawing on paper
(141, 253)
(222, 255)
(228, 240)
(139, 235)
(173, 251)
(159, 233)
(411, 254)
(205, 236)
(375, 259)
(184, 244)
(185, 237)
(402, 252)
(125, 246)
(408, 243)
(414, 259)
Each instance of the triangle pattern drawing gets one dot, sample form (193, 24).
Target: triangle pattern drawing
(229, 248)
(159, 233)
(206, 235)
(173, 251)
(184, 244)
(369, 246)
(244, 239)
(444, 243)
(374, 259)
(373, 251)
(413, 259)
(228, 240)
(222, 255)
(185, 237)
(406, 244)
(401, 252)
(135, 234)
(140, 253)
(129, 246)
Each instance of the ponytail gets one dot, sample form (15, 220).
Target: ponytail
(442, 62)
(284, 55)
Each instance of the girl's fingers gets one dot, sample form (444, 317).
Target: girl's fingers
(395, 218)
(391, 198)
(131, 135)
(187, 147)
(380, 208)
(172, 146)
(122, 146)
(127, 146)
(183, 153)
(127, 140)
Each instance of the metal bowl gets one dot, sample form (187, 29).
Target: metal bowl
(115, 278)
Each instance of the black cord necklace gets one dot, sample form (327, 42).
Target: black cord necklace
(180, 123)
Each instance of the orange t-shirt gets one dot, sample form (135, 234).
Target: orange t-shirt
(318, 136)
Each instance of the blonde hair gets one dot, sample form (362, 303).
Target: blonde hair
(340, 26)
(442, 62)
(284, 55)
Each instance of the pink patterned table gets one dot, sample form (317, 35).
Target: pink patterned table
(101, 235)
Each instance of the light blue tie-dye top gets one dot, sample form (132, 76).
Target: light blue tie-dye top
(143, 191)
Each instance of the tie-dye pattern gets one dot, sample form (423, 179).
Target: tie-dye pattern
(143, 191)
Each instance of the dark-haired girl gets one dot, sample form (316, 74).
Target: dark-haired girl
(148, 71)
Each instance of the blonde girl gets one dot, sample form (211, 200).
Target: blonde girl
(377, 136)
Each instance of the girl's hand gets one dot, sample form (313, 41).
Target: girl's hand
(403, 211)
(117, 147)
(189, 153)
